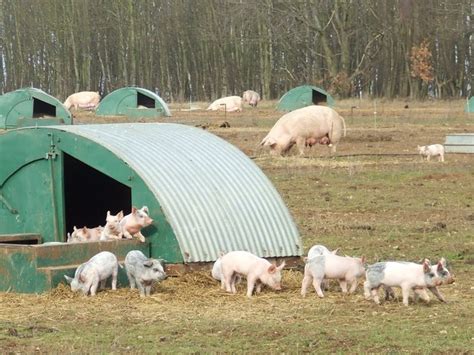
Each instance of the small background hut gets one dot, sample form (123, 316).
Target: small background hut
(303, 96)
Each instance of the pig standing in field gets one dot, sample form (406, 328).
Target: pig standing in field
(432, 151)
(85, 234)
(229, 104)
(441, 270)
(112, 229)
(98, 269)
(85, 99)
(251, 97)
(345, 269)
(253, 267)
(133, 223)
(305, 127)
(406, 275)
(143, 271)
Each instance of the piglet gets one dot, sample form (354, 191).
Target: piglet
(98, 269)
(441, 270)
(253, 267)
(432, 151)
(85, 234)
(143, 271)
(345, 269)
(134, 222)
(113, 228)
(406, 275)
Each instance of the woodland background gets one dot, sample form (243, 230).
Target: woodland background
(203, 49)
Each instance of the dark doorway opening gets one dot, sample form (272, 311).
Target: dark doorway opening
(146, 101)
(318, 98)
(89, 194)
(42, 109)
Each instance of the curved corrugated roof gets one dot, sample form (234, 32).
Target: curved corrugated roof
(214, 197)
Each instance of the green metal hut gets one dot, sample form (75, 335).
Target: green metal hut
(470, 105)
(204, 195)
(133, 102)
(31, 107)
(303, 96)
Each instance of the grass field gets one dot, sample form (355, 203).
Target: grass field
(375, 198)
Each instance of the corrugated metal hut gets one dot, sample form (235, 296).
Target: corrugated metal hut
(470, 105)
(31, 107)
(133, 102)
(204, 194)
(303, 96)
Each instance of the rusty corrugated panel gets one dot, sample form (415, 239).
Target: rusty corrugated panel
(215, 197)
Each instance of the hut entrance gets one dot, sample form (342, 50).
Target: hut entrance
(318, 98)
(43, 109)
(89, 194)
(143, 100)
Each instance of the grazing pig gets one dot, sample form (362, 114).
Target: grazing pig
(229, 104)
(345, 269)
(253, 267)
(113, 228)
(143, 271)
(432, 151)
(134, 222)
(251, 97)
(85, 99)
(441, 270)
(85, 234)
(98, 269)
(406, 275)
(305, 127)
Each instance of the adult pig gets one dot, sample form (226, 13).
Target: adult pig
(143, 271)
(253, 267)
(133, 223)
(251, 97)
(303, 127)
(84, 99)
(98, 269)
(345, 269)
(229, 104)
(406, 275)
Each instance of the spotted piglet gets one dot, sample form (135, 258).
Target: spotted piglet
(345, 269)
(133, 223)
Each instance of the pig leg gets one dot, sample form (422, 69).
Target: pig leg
(307, 279)
(367, 290)
(436, 292)
(114, 278)
(93, 288)
(343, 284)
(127, 235)
(375, 295)
(353, 286)
(147, 290)
(301, 144)
(141, 237)
(233, 282)
(102, 284)
(141, 288)
(131, 280)
(389, 294)
(250, 285)
(227, 278)
(405, 294)
(317, 287)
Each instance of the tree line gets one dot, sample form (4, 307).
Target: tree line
(204, 49)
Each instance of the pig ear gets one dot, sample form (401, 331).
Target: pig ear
(440, 266)
(134, 209)
(272, 268)
(75, 228)
(282, 265)
(443, 261)
(68, 279)
(82, 278)
(148, 263)
(426, 267)
(363, 260)
(84, 229)
(145, 209)
(334, 252)
(108, 213)
(120, 215)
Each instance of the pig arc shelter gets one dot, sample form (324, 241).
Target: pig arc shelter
(204, 195)
(133, 102)
(31, 107)
(303, 96)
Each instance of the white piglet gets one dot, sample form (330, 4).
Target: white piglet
(133, 223)
(253, 267)
(406, 275)
(143, 271)
(433, 150)
(345, 269)
(97, 270)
